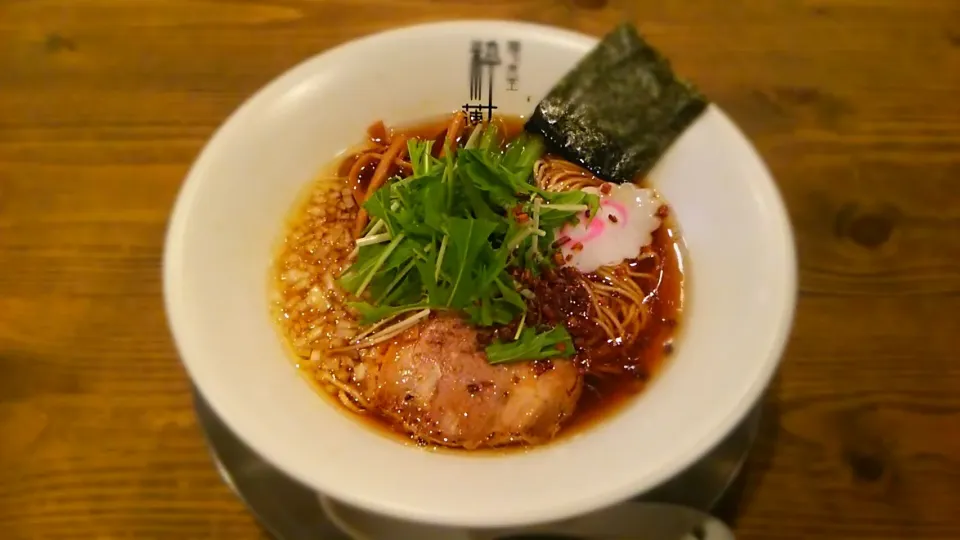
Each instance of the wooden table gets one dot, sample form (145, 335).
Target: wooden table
(104, 103)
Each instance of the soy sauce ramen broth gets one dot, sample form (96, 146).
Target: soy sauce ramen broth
(310, 308)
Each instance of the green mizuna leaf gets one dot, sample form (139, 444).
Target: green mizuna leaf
(532, 346)
(448, 235)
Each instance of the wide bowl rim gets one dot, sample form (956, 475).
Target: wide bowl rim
(174, 307)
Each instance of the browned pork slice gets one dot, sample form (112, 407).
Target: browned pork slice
(436, 384)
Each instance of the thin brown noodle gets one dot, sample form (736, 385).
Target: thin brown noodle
(615, 292)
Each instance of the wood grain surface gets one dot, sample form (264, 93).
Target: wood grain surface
(855, 104)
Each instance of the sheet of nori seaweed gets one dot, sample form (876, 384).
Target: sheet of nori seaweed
(618, 110)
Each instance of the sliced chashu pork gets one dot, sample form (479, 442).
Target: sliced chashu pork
(436, 383)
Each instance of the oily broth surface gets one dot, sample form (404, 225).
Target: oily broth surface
(308, 306)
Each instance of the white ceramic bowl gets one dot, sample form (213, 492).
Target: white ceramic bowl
(228, 219)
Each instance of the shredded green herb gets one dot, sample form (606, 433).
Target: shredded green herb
(531, 345)
(448, 236)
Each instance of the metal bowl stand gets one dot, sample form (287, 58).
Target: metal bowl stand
(290, 511)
